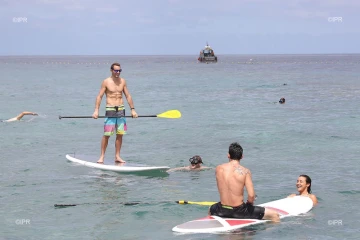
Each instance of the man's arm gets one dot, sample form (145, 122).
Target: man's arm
(178, 169)
(129, 100)
(203, 167)
(249, 187)
(21, 115)
(98, 99)
(128, 96)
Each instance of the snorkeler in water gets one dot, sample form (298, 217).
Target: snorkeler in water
(195, 164)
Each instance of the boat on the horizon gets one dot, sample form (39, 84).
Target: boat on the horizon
(207, 55)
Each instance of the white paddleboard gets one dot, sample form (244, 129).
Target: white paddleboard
(124, 167)
(286, 207)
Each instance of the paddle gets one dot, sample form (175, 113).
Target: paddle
(197, 203)
(136, 203)
(200, 203)
(167, 114)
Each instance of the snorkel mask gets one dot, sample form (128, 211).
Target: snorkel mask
(195, 160)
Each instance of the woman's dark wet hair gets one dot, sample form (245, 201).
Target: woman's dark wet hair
(235, 151)
(195, 160)
(308, 180)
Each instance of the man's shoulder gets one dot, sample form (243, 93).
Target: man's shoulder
(246, 169)
(106, 80)
(243, 168)
(222, 166)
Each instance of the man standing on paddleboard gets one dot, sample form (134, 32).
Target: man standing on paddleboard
(231, 179)
(114, 87)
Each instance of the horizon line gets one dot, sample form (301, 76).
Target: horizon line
(128, 55)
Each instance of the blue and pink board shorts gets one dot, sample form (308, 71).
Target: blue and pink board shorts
(115, 121)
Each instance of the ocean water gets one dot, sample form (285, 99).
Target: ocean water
(316, 132)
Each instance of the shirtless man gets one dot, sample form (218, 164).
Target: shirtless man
(20, 116)
(303, 186)
(114, 87)
(231, 179)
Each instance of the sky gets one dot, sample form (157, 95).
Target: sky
(178, 27)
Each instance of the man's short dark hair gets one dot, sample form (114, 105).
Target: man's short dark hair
(235, 151)
(114, 64)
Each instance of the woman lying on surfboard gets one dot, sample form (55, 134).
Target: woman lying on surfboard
(303, 186)
(195, 164)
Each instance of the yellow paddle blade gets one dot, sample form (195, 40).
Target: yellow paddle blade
(170, 114)
(197, 203)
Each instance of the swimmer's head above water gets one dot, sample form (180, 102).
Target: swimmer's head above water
(195, 161)
(195, 164)
(282, 100)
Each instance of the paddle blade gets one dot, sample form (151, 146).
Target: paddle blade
(197, 203)
(170, 114)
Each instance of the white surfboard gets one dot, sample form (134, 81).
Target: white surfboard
(124, 167)
(286, 207)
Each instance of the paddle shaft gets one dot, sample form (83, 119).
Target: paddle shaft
(196, 203)
(60, 117)
(136, 203)
(73, 205)
(167, 114)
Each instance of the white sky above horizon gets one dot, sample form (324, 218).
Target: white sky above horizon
(166, 27)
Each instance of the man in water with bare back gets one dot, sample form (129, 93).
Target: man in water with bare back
(113, 87)
(231, 179)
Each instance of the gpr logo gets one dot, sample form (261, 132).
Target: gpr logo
(335, 222)
(22, 221)
(334, 19)
(19, 20)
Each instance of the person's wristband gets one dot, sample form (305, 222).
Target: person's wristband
(132, 108)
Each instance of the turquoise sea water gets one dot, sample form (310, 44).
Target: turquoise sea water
(317, 132)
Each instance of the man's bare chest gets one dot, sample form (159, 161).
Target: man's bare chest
(115, 88)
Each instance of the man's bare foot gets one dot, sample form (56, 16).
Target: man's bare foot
(119, 160)
(101, 160)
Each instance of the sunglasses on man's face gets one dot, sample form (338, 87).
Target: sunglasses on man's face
(117, 70)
